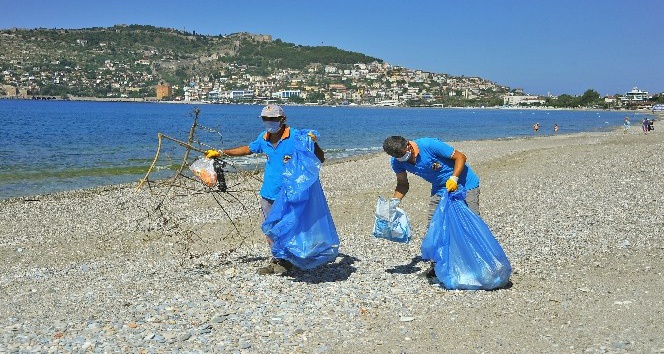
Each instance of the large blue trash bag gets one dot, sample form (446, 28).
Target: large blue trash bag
(391, 221)
(299, 224)
(466, 253)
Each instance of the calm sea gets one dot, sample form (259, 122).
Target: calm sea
(50, 146)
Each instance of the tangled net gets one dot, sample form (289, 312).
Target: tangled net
(228, 207)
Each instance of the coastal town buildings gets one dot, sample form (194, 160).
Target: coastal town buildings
(148, 74)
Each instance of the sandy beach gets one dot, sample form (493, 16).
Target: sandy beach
(173, 269)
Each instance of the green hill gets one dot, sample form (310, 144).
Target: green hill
(169, 49)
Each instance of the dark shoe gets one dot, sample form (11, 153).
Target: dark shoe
(431, 272)
(276, 266)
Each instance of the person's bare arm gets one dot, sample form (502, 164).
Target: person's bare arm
(402, 185)
(319, 152)
(237, 151)
(459, 162)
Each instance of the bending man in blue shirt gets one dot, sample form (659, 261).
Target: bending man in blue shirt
(276, 143)
(436, 162)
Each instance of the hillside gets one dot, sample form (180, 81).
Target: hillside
(170, 49)
(130, 60)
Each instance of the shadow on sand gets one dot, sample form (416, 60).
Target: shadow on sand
(409, 268)
(340, 270)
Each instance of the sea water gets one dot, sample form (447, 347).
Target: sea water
(51, 146)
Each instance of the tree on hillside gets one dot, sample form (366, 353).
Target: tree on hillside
(315, 97)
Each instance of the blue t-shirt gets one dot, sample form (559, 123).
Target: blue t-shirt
(277, 156)
(434, 164)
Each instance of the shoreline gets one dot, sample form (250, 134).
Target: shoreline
(329, 161)
(121, 269)
(151, 100)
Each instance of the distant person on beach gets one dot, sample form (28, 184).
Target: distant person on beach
(645, 125)
(555, 128)
(626, 125)
(437, 163)
(536, 127)
(277, 144)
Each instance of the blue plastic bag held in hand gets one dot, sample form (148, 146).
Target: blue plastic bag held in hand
(466, 253)
(391, 222)
(300, 224)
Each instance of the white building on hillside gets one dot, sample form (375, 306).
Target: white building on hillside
(286, 94)
(521, 100)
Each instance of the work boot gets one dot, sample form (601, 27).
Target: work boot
(276, 266)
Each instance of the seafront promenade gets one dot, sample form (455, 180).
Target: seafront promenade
(390, 103)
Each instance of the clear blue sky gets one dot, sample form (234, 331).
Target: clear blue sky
(542, 46)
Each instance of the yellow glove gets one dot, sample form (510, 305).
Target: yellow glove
(451, 183)
(212, 154)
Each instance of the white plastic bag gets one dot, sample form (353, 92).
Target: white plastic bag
(391, 222)
(203, 168)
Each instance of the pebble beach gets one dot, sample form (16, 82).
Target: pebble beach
(172, 268)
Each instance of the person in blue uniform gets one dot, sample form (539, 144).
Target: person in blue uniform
(276, 143)
(436, 162)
